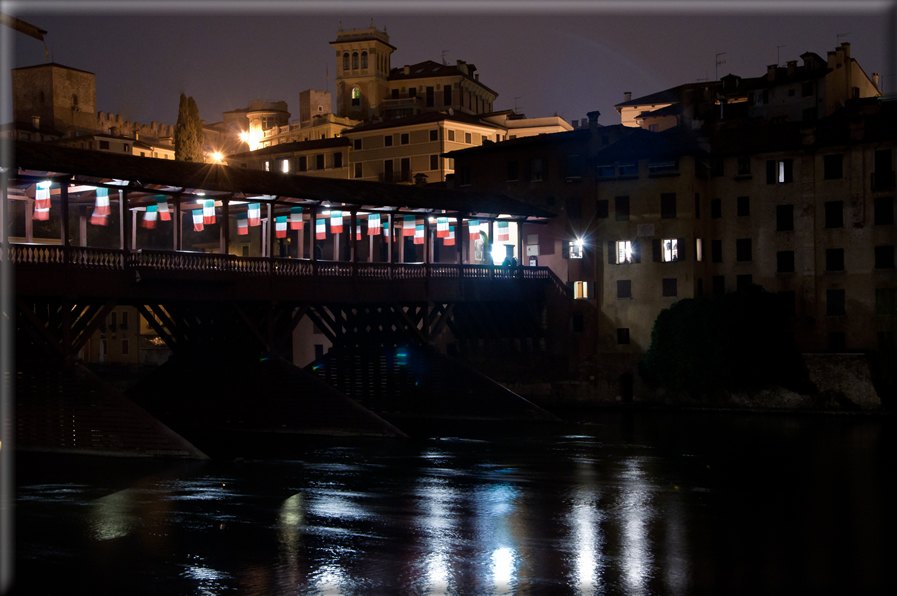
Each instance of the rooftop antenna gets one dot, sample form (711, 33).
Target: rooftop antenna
(515, 104)
(839, 36)
(444, 52)
(706, 76)
(778, 60)
(718, 62)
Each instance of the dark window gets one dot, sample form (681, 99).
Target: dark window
(124, 320)
(833, 166)
(806, 90)
(834, 214)
(623, 336)
(578, 323)
(412, 92)
(125, 347)
(574, 208)
(834, 303)
(670, 287)
(574, 166)
(884, 257)
(886, 301)
(364, 60)
(668, 205)
(719, 285)
(744, 206)
(319, 161)
(387, 141)
(447, 95)
(786, 301)
(404, 138)
(884, 211)
(357, 144)
(601, 209)
(716, 208)
(717, 167)
(468, 138)
(743, 249)
(395, 93)
(837, 341)
(303, 163)
(621, 208)
(700, 290)
(358, 170)
(104, 144)
(784, 218)
(434, 134)
(434, 162)
(716, 251)
(743, 282)
(431, 97)
(346, 61)
(513, 171)
(697, 205)
(834, 259)
(785, 261)
(337, 160)
(624, 288)
(744, 166)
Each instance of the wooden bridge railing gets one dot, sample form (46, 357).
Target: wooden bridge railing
(160, 260)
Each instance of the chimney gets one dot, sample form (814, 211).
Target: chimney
(792, 64)
(593, 121)
(845, 47)
(875, 80)
(831, 59)
(407, 70)
(35, 122)
(771, 72)
(136, 135)
(477, 77)
(627, 96)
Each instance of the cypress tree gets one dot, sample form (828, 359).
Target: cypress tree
(188, 134)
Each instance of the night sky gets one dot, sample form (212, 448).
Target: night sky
(538, 59)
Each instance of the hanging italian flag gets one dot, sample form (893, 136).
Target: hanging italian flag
(450, 239)
(280, 226)
(208, 211)
(504, 232)
(242, 224)
(295, 218)
(321, 229)
(442, 227)
(336, 222)
(386, 227)
(162, 204)
(474, 225)
(374, 224)
(42, 201)
(255, 214)
(419, 232)
(150, 217)
(197, 220)
(409, 225)
(100, 215)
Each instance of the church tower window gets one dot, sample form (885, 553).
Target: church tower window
(356, 96)
(364, 60)
(354, 60)
(346, 61)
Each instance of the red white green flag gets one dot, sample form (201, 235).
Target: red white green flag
(162, 205)
(280, 226)
(321, 229)
(409, 225)
(255, 214)
(295, 218)
(208, 211)
(474, 225)
(419, 232)
(42, 201)
(242, 224)
(504, 232)
(100, 215)
(374, 224)
(442, 227)
(336, 222)
(150, 216)
(450, 239)
(197, 220)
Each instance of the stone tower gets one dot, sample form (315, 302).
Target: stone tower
(362, 69)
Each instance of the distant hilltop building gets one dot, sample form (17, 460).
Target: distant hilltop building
(52, 102)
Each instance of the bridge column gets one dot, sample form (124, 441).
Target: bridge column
(124, 222)
(64, 218)
(459, 243)
(312, 234)
(82, 225)
(353, 240)
(224, 228)
(300, 239)
(176, 227)
(270, 238)
(391, 230)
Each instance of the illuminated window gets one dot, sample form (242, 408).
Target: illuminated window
(267, 166)
(779, 172)
(285, 166)
(624, 252)
(670, 249)
(576, 249)
(580, 290)
(356, 96)
(699, 250)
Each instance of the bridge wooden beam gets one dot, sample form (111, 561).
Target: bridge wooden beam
(443, 320)
(84, 334)
(39, 327)
(295, 318)
(315, 315)
(158, 328)
(263, 339)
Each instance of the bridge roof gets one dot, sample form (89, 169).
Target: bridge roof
(160, 176)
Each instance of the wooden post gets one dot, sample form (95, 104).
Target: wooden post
(391, 230)
(401, 244)
(124, 219)
(64, 219)
(4, 210)
(459, 235)
(29, 221)
(312, 232)
(270, 239)
(134, 230)
(336, 239)
(353, 240)
(82, 225)
(520, 244)
(177, 223)
(224, 227)
(371, 240)
(300, 238)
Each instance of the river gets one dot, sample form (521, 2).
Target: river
(611, 502)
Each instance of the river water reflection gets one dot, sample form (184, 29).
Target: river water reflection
(612, 503)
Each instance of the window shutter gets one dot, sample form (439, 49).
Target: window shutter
(656, 249)
(636, 252)
(681, 246)
(770, 171)
(611, 250)
(590, 289)
(789, 174)
(565, 250)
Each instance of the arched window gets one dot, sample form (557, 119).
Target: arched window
(346, 61)
(364, 60)
(356, 96)
(354, 59)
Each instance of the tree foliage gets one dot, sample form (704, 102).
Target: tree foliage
(188, 136)
(736, 341)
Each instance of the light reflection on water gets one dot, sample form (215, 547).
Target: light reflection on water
(564, 514)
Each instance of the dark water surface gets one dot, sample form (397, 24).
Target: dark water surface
(642, 502)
